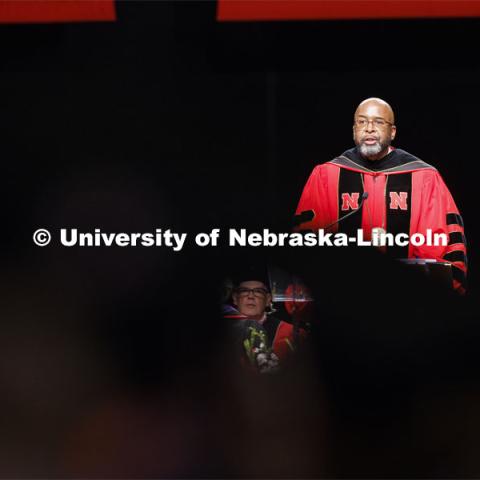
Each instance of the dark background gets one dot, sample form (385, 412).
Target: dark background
(168, 119)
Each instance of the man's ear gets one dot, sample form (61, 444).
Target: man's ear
(394, 132)
(234, 298)
(269, 298)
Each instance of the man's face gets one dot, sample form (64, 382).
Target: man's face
(251, 299)
(373, 129)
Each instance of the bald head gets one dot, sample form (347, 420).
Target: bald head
(379, 106)
(374, 128)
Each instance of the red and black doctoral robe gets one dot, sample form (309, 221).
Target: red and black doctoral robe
(405, 195)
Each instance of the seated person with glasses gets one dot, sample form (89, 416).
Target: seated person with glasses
(265, 341)
(391, 191)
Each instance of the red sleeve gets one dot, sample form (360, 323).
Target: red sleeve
(434, 208)
(318, 204)
(283, 344)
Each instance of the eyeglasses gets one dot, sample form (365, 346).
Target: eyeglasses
(257, 292)
(363, 122)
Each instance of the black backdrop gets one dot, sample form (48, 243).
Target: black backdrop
(169, 119)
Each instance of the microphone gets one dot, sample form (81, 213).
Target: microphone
(353, 212)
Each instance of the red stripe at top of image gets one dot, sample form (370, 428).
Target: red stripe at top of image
(250, 10)
(50, 11)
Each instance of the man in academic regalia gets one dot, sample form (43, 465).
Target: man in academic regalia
(265, 342)
(396, 192)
